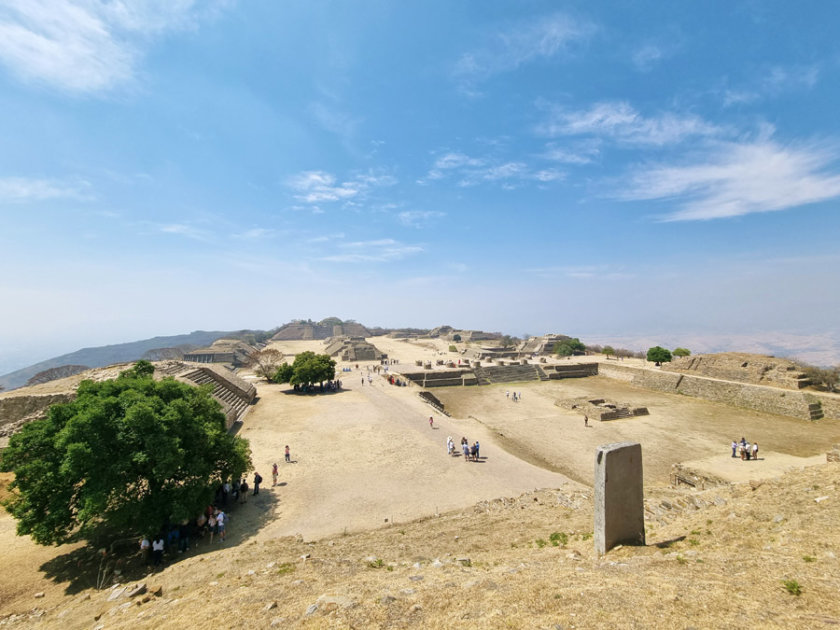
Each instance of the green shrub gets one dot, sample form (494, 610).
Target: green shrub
(559, 538)
(793, 587)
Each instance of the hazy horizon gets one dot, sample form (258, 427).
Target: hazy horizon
(631, 172)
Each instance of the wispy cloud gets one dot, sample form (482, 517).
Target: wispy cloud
(734, 179)
(584, 272)
(185, 230)
(374, 251)
(773, 82)
(543, 38)
(418, 218)
(23, 190)
(583, 154)
(85, 46)
(620, 122)
(319, 186)
(256, 234)
(471, 171)
(647, 56)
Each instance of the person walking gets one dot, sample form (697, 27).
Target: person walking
(157, 549)
(274, 474)
(257, 482)
(585, 420)
(755, 450)
(734, 448)
(431, 422)
(288, 455)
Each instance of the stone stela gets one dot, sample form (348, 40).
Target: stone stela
(619, 496)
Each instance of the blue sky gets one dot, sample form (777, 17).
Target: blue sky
(623, 170)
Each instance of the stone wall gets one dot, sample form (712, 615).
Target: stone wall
(757, 397)
(756, 369)
(15, 410)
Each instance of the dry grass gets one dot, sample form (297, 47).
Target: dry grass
(714, 567)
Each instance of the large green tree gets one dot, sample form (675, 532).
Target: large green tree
(129, 454)
(306, 369)
(568, 347)
(682, 352)
(658, 354)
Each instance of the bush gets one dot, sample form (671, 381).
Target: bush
(452, 348)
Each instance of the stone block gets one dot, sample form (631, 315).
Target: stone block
(619, 496)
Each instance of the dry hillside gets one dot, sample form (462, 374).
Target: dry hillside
(511, 563)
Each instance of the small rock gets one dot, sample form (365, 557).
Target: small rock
(465, 562)
(116, 594)
(778, 518)
(417, 565)
(39, 594)
(306, 556)
(415, 608)
(270, 606)
(251, 572)
(387, 599)
(137, 590)
(270, 565)
(436, 564)
(157, 591)
(820, 499)
(408, 591)
(415, 578)
(311, 609)
(277, 621)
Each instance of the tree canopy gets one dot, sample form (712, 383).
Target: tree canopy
(568, 347)
(658, 354)
(608, 350)
(306, 369)
(265, 362)
(682, 352)
(130, 454)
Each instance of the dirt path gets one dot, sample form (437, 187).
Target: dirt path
(365, 455)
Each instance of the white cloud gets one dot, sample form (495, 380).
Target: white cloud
(620, 122)
(773, 82)
(586, 272)
(735, 179)
(85, 46)
(472, 171)
(375, 251)
(22, 190)
(543, 38)
(418, 218)
(256, 233)
(565, 155)
(182, 229)
(647, 56)
(319, 186)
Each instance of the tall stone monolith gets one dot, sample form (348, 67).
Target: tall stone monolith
(619, 496)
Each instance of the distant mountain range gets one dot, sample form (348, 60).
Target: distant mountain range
(117, 353)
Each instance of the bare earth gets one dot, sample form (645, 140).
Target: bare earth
(365, 458)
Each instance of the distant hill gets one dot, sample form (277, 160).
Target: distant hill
(117, 353)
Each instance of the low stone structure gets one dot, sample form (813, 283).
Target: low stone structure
(798, 404)
(755, 369)
(230, 351)
(619, 496)
(353, 349)
(541, 345)
(602, 409)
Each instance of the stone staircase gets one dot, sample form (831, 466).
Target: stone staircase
(234, 395)
(815, 410)
(509, 374)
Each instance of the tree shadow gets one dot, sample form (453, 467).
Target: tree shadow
(87, 567)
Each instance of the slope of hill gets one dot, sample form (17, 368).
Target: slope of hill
(106, 355)
(761, 554)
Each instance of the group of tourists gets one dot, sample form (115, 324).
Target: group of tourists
(517, 396)
(744, 449)
(470, 452)
(175, 538)
(327, 386)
